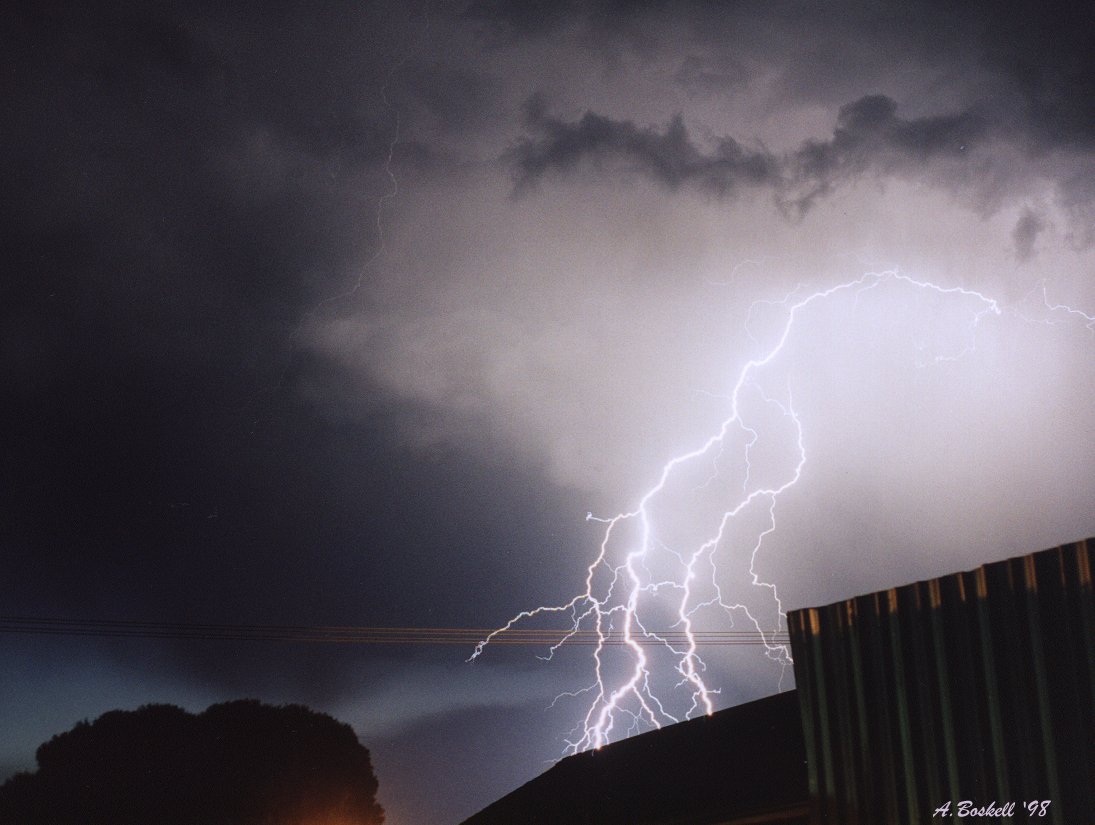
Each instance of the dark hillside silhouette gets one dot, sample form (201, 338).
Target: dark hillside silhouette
(237, 763)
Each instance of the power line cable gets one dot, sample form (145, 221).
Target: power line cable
(334, 634)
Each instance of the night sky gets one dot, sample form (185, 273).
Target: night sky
(349, 313)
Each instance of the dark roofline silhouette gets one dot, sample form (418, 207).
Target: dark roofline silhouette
(746, 763)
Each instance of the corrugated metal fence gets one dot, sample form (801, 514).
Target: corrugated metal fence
(976, 687)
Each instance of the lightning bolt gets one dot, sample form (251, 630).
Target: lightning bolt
(390, 192)
(1064, 309)
(646, 572)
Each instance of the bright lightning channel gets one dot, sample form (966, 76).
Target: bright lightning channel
(620, 582)
(1088, 320)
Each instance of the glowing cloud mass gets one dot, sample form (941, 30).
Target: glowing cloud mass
(666, 572)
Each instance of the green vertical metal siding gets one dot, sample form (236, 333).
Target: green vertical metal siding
(977, 686)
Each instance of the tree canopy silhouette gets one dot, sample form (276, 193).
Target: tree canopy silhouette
(237, 763)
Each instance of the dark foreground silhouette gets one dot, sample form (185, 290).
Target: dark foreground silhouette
(237, 763)
(745, 764)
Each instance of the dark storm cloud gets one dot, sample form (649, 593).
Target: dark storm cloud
(1032, 66)
(869, 136)
(182, 191)
(606, 20)
(1026, 232)
(700, 75)
(455, 98)
(535, 18)
(1046, 53)
(670, 157)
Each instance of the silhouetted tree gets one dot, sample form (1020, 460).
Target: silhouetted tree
(238, 763)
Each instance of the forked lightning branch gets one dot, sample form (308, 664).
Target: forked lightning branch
(656, 570)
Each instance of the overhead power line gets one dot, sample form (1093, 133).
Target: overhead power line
(336, 634)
